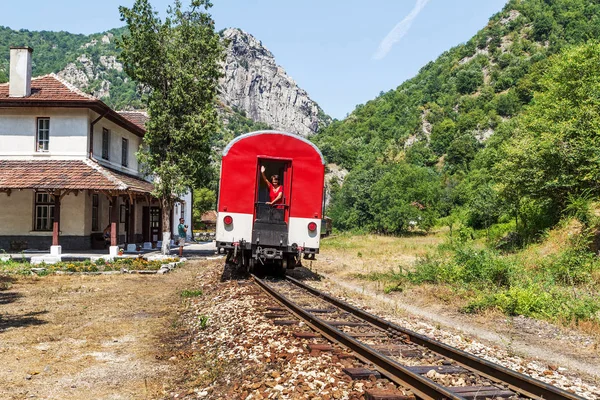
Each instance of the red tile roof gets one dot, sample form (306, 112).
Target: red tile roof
(52, 91)
(137, 117)
(50, 87)
(67, 175)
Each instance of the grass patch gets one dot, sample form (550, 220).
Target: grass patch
(191, 293)
(203, 319)
(560, 288)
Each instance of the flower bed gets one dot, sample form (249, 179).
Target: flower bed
(125, 265)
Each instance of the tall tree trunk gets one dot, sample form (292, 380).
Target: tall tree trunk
(166, 207)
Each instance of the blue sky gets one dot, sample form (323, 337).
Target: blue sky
(342, 52)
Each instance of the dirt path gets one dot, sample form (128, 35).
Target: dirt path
(100, 337)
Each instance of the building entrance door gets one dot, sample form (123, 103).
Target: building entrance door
(151, 224)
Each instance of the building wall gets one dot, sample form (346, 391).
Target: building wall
(139, 214)
(68, 133)
(115, 146)
(16, 217)
(73, 215)
(18, 208)
(17, 222)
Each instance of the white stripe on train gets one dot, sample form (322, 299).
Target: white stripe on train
(241, 229)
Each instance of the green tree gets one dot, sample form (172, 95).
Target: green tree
(442, 135)
(178, 62)
(468, 80)
(507, 104)
(204, 200)
(461, 152)
(421, 154)
(554, 152)
(556, 147)
(406, 196)
(351, 204)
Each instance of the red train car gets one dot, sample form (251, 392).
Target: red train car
(253, 232)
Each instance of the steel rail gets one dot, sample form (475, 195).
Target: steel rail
(423, 388)
(520, 383)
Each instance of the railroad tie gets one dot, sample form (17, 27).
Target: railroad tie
(285, 322)
(379, 394)
(319, 310)
(305, 335)
(361, 373)
(275, 315)
(320, 347)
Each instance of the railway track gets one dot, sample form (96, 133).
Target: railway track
(427, 368)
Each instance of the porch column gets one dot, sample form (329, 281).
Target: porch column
(114, 226)
(114, 221)
(131, 232)
(56, 249)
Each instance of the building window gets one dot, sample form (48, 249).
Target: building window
(44, 211)
(95, 226)
(43, 134)
(105, 143)
(124, 152)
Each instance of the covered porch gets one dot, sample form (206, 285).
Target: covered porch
(48, 205)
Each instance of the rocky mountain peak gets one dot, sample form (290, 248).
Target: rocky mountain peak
(254, 83)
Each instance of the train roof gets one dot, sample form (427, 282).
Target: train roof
(258, 133)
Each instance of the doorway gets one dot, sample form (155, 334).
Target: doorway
(283, 170)
(151, 224)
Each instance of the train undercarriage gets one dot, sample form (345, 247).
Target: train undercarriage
(245, 257)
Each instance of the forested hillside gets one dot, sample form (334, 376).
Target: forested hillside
(252, 82)
(55, 51)
(501, 129)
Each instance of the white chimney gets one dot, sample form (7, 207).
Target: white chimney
(20, 72)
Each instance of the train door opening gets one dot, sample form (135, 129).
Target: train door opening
(282, 169)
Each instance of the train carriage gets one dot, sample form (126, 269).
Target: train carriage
(253, 232)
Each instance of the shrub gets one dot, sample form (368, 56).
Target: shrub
(575, 266)
(527, 301)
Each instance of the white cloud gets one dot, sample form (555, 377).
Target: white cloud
(399, 31)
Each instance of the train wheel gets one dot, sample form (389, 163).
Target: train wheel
(250, 264)
(278, 268)
(229, 271)
(291, 261)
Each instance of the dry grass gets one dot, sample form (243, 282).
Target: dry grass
(80, 337)
(556, 241)
(346, 255)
